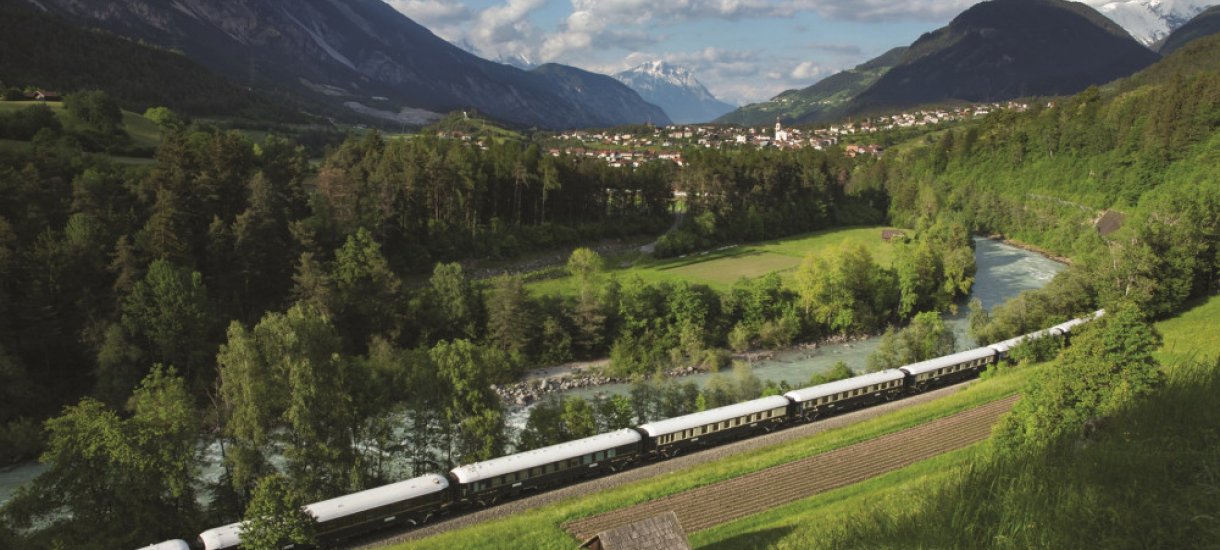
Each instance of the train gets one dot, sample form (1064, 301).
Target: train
(419, 500)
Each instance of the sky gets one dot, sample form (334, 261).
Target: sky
(744, 51)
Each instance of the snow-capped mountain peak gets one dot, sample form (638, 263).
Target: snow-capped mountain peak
(657, 75)
(1150, 20)
(675, 89)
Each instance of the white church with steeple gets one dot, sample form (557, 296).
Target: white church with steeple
(781, 135)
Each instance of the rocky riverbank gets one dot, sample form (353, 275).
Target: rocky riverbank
(533, 389)
(539, 383)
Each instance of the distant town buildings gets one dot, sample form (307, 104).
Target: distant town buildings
(621, 149)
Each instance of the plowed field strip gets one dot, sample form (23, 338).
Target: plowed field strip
(735, 498)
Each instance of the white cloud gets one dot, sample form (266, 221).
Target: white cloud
(443, 17)
(806, 70)
(883, 10)
(505, 30)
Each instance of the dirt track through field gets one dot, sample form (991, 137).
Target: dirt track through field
(739, 497)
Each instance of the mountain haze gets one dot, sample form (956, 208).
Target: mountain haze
(674, 89)
(362, 54)
(1003, 49)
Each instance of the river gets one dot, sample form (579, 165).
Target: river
(1003, 272)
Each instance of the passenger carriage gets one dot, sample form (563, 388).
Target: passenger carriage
(947, 369)
(670, 436)
(842, 395)
(413, 501)
(221, 538)
(499, 478)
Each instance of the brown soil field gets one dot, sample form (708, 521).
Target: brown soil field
(735, 498)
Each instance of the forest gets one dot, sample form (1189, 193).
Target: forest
(316, 324)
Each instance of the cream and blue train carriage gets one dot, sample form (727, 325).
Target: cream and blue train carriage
(840, 395)
(491, 480)
(949, 368)
(221, 538)
(667, 437)
(412, 501)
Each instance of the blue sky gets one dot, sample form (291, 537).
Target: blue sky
(743, 50)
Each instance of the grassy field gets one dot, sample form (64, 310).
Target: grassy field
(1193, 335)
(541, 528)
(722, 267)
(794, 524)
(143, 132)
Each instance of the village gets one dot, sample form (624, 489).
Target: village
(628, 148)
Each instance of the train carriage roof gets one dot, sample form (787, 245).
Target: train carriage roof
(839, 386)
(921, 367)
(546, 455)
(1064, 328)
(1007, 345)
(225, 536)
(712, 416)
(176, 544)
(377, 497)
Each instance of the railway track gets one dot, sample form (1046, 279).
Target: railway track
(710, 455)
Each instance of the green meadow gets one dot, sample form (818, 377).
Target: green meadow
(721, 267)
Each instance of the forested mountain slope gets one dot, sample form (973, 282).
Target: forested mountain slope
(44, 51)
(1003, 49)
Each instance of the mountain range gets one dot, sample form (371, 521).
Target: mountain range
(1004, 49)
(1205, 24)
(674, 89)
(361, 54)
(995, 50)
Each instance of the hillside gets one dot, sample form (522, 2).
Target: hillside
(616, 103)
(1201, 55)
(44, 51)
(1204, 24)
(1003, 49)
(363, 56)
(820, 101)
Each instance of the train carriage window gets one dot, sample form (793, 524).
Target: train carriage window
(587, 459)
(601, 455)
(611, 453)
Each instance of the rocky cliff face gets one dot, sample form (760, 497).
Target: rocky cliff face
(359, 53)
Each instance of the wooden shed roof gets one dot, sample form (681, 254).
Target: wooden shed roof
(661, 532)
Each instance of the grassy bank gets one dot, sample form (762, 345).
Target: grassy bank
(541, 528)
(722, 267)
